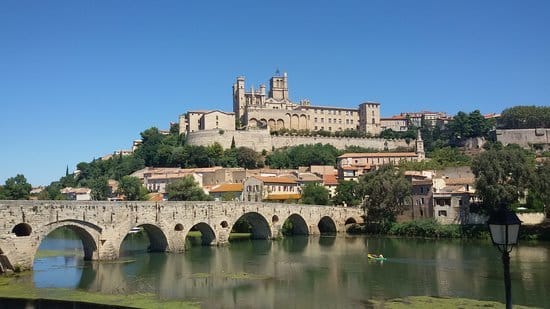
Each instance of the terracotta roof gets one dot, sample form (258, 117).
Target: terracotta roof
(287, 196)
(416, 182)
(460, 181)
(271, 179)
(356, 167)
(227, 187)
(168, 176)
(377, 154)
(330, 180)
(394, 118)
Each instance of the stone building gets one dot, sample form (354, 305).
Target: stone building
(271, 188)
(274, 109)
(395, 123)
(194, 121)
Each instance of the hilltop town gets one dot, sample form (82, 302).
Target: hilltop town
(272, 149)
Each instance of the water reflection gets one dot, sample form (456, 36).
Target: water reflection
(303, 271)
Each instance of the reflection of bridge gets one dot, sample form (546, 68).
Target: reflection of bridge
(102, 226)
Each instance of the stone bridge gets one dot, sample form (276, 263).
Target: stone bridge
(102, 226)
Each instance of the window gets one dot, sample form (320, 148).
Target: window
(373, 121)
(330, 120)
(347, 121)
(315, 119)
(422, 201)
(460, 202)
(322, 120)
(442, 213)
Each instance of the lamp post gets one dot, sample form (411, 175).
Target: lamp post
(504, 227)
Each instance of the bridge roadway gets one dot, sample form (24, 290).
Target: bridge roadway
(102, 226)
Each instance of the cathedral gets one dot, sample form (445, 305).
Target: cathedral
(257, 108)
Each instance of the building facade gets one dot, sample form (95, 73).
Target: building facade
(257, 108)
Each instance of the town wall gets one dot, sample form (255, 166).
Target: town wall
(262, 140)
(525, 137)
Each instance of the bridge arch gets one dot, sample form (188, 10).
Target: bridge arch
(208, 236)
(299, 225)
(157, 238)
(87, 232)
(327, 225)
(260, 225)
(22, 229)
(350, 220)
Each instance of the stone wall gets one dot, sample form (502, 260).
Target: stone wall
(525, 137)
(261, 139)
(526, 218)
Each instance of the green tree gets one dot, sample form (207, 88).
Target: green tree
(186, 189)
(247, 158)
(100, 189)
(541, 185)
(387, 193)
(525, 117)
(347, 193)
(278, 159)
(132, 188)
(16, 188)
(503, 174)
(315, 194)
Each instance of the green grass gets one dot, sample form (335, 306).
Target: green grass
(11, 287)
(421, 302)
(14, 288)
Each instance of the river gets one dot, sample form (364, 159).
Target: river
(300, 272)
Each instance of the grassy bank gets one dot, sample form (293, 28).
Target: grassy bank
(11, 287)
(432, 229)
(421, 302)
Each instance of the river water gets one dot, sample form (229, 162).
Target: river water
(301, 272)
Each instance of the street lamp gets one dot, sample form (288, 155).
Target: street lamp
(504, 227)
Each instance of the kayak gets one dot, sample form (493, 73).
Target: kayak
(376, 257)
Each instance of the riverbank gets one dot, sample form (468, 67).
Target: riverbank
(12, 288)
(432, 229)
(14, 292)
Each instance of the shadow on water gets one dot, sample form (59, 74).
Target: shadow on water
(327, 241)
(296, 243)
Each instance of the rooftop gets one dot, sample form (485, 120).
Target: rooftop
(377, 154)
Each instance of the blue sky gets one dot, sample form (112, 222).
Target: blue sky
(80, 79)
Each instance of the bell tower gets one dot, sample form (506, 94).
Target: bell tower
(278, 87)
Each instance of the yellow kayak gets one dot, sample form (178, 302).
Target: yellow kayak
(378, 257)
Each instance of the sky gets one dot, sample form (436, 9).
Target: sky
(81, 79)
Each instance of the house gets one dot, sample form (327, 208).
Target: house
(157, 182)
(306, 178)
(395, 123)
(227, 192)
(77, 194)
(330, 181)
(352, 165)
(452, 206)
(270, 188)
